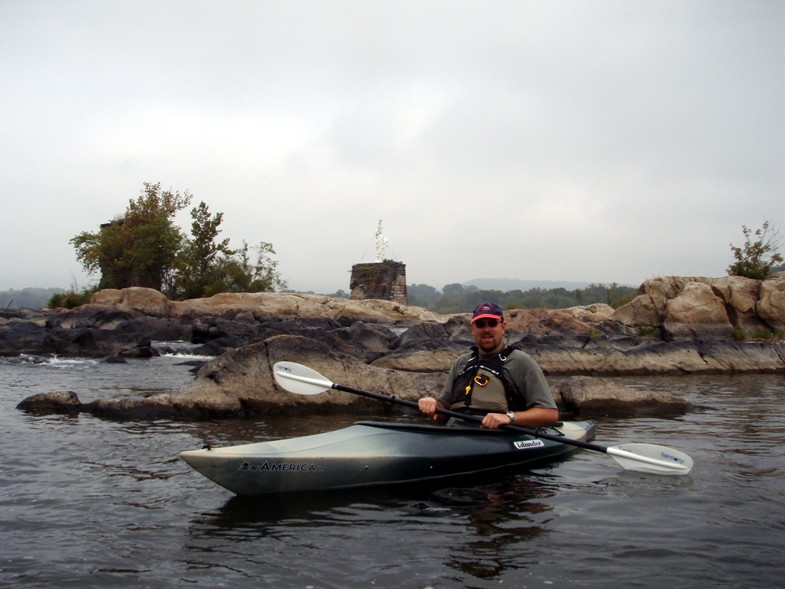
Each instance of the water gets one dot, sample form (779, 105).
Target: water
(89, 502)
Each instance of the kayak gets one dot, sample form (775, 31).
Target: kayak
(371, 453)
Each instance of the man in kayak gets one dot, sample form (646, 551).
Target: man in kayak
(502, 383)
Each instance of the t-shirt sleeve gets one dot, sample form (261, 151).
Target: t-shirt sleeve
(529, 381)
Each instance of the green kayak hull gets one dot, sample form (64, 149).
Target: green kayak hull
(369, 453)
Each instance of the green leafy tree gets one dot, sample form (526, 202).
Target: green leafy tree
(140, 248)
(197, 271)
(145, 248)
(240, 274)
(69, 300)
(758, 255)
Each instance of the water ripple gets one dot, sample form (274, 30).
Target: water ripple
(87, 502)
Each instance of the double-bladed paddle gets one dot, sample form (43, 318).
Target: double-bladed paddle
(649, 458)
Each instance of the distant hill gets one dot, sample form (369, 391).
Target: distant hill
(508, 284)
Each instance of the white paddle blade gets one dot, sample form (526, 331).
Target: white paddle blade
(651, 458)
(299, 379)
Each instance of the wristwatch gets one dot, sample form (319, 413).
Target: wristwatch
(511, 415)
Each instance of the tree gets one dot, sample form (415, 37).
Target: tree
(422, 295)
(196, 267)
(453, 290)
(140, 248)
(756, 258)
(239, 274)
(265, 271)
(145, 248)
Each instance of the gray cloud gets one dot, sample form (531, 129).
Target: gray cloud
(608, 141)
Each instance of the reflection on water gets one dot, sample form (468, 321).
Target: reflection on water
(90, 502)
(480, 526)
(509, 515)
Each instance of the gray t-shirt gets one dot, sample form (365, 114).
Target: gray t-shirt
(521, 372)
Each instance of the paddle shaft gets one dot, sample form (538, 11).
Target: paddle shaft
(475, 418)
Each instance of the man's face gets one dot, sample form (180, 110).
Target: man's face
(489, 334)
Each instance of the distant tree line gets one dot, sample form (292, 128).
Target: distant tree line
(457, 298)
(758, 258)
(29, 298)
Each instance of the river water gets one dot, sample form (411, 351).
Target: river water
(90, 502)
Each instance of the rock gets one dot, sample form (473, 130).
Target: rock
(696, 311)
(771, 304)
(428, 347)
(592, 396)
(436, 358)
(147, 300)
(366, 340)
(594, 313)
(684, 357)
(547, 322)
(62, 402)
(246, 374)
(648, 307)
(699, 308)
(24, 335)
(272, 305)
(241, 384)
(167, 406)
(740, 293)
(741, 302)
(107, 296)
(674, 325)
(666, 308)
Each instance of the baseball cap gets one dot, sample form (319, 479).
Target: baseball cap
(489, 310)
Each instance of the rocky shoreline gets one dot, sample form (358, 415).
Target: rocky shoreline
(674, 325)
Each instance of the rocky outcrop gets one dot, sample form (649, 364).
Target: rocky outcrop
(123, 322)
(240, 383)
(674, 325)
(88, 331)
(699, 308)
(61, 402)
(667, 309)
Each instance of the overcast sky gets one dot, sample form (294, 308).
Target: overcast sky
(592, 141)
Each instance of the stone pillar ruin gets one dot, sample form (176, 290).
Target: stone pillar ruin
(383, 279)
(380, 280)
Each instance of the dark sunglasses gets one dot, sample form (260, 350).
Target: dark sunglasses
(483, 323)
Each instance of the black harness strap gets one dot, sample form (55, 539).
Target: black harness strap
(493, 364)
